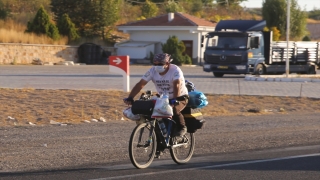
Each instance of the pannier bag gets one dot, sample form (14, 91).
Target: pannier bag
(142, 107)
(193, 118)
(197, 99)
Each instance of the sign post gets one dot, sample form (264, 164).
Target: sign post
(120, 65)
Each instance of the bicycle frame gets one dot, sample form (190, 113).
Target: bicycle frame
(169, 129)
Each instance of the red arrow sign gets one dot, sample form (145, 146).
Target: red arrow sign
(121, 62)
(117, 61)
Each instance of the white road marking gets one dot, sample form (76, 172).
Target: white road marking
(208, 167)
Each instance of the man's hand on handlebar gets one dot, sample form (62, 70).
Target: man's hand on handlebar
(128, 100)
(173, 102)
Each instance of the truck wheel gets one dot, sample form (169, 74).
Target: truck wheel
(218, 74)
(259, 70)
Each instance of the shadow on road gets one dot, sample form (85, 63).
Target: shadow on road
(291, 164)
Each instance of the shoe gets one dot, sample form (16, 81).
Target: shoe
(158, 154)
(182, 131)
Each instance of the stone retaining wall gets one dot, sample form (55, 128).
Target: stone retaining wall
(25, 53)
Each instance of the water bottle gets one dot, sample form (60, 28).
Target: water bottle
(165, 96)
(163, 128)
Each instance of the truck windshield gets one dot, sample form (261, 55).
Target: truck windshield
(223, 42)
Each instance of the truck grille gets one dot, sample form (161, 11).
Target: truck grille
(214, 59)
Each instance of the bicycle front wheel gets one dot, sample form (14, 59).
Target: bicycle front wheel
(142, 148)
(182, 148)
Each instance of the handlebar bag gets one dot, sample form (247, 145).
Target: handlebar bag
(142, 107)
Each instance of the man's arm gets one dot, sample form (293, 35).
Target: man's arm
(176, 88)
(137, 88)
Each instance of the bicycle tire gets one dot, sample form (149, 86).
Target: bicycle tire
(142, 131)
(175, 152)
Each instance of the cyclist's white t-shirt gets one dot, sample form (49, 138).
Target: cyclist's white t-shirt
(164, 83)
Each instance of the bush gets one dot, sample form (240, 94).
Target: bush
(41, 24)
(67, 28)
(3, 13)
(187, 59)
(53, 32)
(276, 33)
(176, 48)
(306, 38)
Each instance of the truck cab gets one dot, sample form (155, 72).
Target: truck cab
(234, 47)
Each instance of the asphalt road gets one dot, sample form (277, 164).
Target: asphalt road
(99, 77)
(286, 163)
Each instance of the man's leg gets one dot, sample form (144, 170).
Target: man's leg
(178, 117)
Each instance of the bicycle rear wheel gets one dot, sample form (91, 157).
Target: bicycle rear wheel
(182, 149)
(142, 149)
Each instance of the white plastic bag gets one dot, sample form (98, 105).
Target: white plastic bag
(156, 114)
(163, 107)
(128, 114)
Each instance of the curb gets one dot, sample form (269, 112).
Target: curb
(281, 78)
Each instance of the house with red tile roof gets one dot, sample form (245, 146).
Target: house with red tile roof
(147, 35)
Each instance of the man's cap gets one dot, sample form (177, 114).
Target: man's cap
(161, 58)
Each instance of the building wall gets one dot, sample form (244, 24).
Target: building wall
(162, 36)
(26, 53)
(135, 52)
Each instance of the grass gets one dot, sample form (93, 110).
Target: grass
(11, 32)
(75, 106)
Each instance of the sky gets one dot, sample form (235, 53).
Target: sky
(307, 4)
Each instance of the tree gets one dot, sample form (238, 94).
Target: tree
(171, 7)
(149, 9)
(298, 21)
(79, 12)
(175, 48)
(272, 9)
(67, 28)
(196, 6)
(91, 17)
(314, 14)
(25, 6)
(41, 24)
(227, 3)
(139, 2)
(106, 16)
(61, 7)
(4, 12)
(275, 14)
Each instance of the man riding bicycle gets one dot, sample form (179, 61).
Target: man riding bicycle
(168, 78)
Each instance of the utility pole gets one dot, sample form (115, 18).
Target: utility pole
(288, 37)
